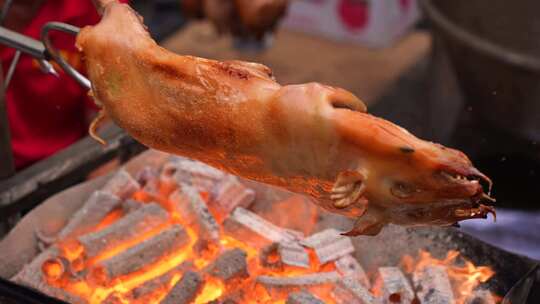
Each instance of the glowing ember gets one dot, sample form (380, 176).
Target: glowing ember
(76, 270)
(53, 269)
(464, 275)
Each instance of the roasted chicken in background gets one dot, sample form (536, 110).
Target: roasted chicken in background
(310, 138)
(241, 18)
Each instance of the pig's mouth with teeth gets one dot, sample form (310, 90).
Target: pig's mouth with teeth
(474, 204)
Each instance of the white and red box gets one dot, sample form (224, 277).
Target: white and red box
(372, 23)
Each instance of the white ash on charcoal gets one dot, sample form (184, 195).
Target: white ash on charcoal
(329, 245)
(348, 266)
(140, 255)
(193, 173)
(121, 184)
(146, 174)
(293, 254)
(230, 193)
(149, 287)
(396, 287)
(297, 235)
(32, 275)
(252, 229)
(148, 179)
(433, 285)
(61, 294)
(230, 265)
(302, 297)
(481, 296)
(98, 205)
(140, 221)
(131, 205)
(186, 290)
(350, 291)
(320, 278)
(194, 211)
(167, 172)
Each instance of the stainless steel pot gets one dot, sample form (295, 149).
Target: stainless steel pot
(494, 48)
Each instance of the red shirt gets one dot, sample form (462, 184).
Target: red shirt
(47, 113)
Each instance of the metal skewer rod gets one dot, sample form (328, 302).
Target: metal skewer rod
(11, 69)
(23, 43)
(53, 52)
(7, 164)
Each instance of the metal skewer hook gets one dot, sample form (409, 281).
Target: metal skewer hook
(55, 54)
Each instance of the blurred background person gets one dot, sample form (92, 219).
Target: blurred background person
(46, 113)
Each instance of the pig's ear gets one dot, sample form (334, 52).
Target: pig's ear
(342, 99)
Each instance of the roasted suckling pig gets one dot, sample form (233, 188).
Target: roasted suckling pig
(309, 138)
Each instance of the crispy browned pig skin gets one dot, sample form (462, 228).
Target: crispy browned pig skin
(310, 138)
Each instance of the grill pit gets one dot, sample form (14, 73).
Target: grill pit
(170, 230)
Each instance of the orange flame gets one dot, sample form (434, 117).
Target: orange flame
(463, 274)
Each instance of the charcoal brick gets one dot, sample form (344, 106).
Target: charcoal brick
(231, 264)
(186, 290)
(303, 297)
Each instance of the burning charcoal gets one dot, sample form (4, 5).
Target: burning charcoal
(122, 184)
(269, 257)
(194, 173)
(348, 266)
(248, 227)
(193, 210)
(113, 298)
(226, 301)
(131, 205)
(92, 212)
(481, 296)
(167, 172)
(229, 193)
(329, 245)
(229, 265)
(303, 297)
(148, 178)
(396, 288)
(186, 290)
(142, 220)
(299, 281)
(32, 275)
(146, 175)
(54, 268)
(148, 287)
(433, 285)
(298, 235)
(293, 254)
(350, 291)
(144, 253)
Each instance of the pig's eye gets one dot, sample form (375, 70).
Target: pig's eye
(402, 190)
